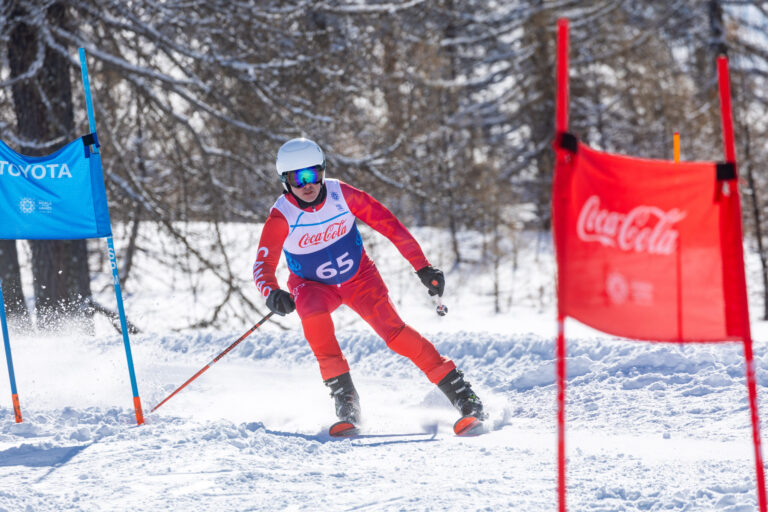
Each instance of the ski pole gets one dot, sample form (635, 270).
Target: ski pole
(215, 359)
(442, 309)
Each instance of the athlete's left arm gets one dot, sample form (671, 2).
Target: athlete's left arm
(369, 210)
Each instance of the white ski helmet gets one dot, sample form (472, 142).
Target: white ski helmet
(298, 154)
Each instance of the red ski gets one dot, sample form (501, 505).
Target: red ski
(343, 429)
(468, 426)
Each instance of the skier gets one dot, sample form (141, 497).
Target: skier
(314, 224)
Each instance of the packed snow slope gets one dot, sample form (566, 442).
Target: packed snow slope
(650, 426)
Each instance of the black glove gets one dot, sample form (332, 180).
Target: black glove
(280, 302)
(433, 279)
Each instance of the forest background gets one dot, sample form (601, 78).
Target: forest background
(442, 109)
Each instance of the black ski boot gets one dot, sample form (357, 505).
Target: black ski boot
(346, 398)
(460, 394)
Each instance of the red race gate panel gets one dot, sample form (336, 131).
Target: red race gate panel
(639, 247)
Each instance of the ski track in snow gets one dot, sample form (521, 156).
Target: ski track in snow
(651, 427)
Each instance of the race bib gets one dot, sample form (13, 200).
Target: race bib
(324, 245)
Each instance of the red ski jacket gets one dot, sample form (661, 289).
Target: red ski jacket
(361, 205)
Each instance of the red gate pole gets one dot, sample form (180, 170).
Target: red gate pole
(561, 369)
(561, 103)
(752, 390)
(738, 314)
(561, 126)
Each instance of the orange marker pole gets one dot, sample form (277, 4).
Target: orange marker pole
(676, 142)
(16, 408)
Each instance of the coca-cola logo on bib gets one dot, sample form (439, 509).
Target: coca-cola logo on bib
(643, 229)
(332, 232)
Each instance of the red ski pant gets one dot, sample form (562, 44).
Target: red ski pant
(368, 296)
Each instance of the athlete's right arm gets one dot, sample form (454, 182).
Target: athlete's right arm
(273, 236)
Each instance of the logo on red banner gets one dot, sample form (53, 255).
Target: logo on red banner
(643, 229)
(622, 290)
(332, 232)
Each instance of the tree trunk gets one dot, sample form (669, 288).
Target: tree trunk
(44, 115)
(10, 274)
(450, 104)
(755, 204)
(496, 255)
(717, 28)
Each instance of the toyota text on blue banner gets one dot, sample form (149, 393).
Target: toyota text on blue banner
(55, 197)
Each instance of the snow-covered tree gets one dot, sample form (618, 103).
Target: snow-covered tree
(442, 109)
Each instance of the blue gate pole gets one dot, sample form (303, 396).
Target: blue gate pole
(112, 255)
(9, 359)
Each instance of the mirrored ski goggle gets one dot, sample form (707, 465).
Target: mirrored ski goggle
(308, 176)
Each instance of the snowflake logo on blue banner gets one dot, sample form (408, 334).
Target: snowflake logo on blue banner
(26, 205)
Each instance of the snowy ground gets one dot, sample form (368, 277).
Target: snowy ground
(651, 426)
